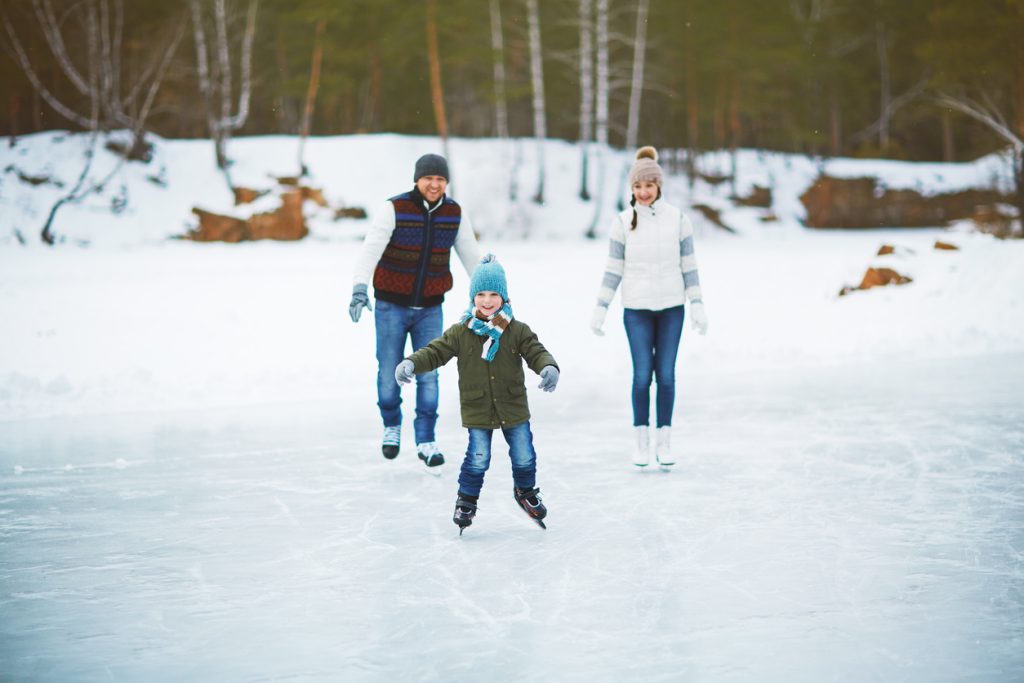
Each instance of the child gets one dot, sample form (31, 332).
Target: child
(491, 347)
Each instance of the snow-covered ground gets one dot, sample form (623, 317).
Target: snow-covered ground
(191, 486)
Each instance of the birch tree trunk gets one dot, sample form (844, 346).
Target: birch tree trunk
(216, 88)
(885, 86)
(586, 92)
(91, 64)
(635, 89)
(498, 56)
(601, 119)
(692, 103)
(436, 87)
(637, 83)
(540, 131)
(314, 85)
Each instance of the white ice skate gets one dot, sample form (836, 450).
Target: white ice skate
(642, 451)
(663, 449)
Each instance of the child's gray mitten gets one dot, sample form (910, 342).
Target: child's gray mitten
(548, 378)
(404, 372)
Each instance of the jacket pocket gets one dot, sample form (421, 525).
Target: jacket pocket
(471, 394)
(516, 389)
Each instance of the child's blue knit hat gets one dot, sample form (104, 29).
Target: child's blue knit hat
(489, 276)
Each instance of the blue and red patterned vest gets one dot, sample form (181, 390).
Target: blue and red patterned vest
(414, 269)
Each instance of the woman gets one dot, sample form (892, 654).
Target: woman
(650, 252)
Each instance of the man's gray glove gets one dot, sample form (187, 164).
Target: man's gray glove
(359, 300)
(548, 378)
(404, 372)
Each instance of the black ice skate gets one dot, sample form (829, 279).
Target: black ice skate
(465, 511)
(390, 442)
(529, 500)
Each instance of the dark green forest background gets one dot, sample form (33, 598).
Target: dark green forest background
(829, 77)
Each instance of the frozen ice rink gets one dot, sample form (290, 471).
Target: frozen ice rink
(846, 524)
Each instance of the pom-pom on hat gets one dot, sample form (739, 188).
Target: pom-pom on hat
(431, 164)
(645, 167)
(489, 276)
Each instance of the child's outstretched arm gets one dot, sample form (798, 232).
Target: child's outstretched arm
(436, 353)
(533, 352)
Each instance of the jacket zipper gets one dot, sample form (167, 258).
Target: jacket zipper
(421, 270)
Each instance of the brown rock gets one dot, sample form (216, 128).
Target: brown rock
(877, 277)
(245, 195)
(350, 212)
(713, 215)
(759, 197)
(313, 194)
(860, 203)
(990, 219)
(214, 227)
(286, 223)
(886, 249)
(946, 246)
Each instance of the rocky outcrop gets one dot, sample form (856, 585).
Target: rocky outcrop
(877, 277)
(861, 203)
(284, 223)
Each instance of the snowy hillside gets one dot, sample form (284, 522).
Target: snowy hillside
(363, 170)
(139, 322)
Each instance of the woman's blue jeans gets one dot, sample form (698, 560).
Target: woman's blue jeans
(394, 325)
(653, 344)
(478, 458)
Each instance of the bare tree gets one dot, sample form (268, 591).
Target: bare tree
(586, 91)
(540, 131)
(215, 76)
(636, 84)
(314, 84)
(498, 52)
(436, 88)
(601, 119)
(990, 114)
(95, 74)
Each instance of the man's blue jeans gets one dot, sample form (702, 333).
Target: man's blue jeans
(394, 324)
(653, 344)
(478, 458)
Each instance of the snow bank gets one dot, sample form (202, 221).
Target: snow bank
(140, 322)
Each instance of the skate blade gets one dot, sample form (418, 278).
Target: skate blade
(434, 471)
(667, 467)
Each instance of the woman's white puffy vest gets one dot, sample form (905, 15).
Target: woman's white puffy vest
(652, 277)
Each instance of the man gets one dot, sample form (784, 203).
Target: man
(407, 250)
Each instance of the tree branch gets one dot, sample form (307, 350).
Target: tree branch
(991, 119)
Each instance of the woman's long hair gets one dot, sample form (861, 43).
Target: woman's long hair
(632, 202)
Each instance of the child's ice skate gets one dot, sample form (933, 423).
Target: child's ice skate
(465, 511)
(529, 500)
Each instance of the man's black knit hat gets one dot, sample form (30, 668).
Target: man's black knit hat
(431, 164)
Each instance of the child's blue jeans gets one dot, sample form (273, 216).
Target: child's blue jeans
(478, 458)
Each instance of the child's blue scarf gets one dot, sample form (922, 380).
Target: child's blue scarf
(490, 327)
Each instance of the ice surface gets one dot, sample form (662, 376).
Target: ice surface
(191, 487)
(845, 524)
